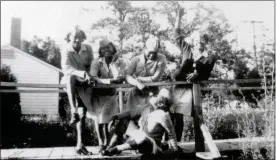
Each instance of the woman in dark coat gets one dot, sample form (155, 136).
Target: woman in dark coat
(196, 65)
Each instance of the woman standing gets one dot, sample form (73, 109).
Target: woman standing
(107, 69)
(196, 65)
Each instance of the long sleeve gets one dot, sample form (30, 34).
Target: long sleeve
(158, 73)
(130, 71)
(94, 70)
(68, 67)
(183, 45)
(205, 66)
(90, 57)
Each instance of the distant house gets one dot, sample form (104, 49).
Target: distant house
(29, 69)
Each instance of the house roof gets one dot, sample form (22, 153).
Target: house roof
(32, 57)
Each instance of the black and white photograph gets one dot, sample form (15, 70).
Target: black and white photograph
(172, 80)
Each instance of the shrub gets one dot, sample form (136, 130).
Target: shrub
(10, 108)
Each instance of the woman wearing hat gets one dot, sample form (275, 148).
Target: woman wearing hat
(144, 68)
(106, 69)
(196, 64)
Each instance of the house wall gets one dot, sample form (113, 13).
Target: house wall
(28, 70)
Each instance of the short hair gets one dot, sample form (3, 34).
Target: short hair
(101, 48)
(75, 33)
(164, 97)
(205, 37)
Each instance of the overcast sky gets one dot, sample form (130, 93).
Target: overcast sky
(55, 19)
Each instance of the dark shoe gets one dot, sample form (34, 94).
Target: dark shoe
(83, 151)
(101, 148)
(111, 152)
(74, 119)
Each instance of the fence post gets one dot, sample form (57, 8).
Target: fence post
(121, 104)
(198, 119)
(201, 131)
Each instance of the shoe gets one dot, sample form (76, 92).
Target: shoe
(74, 119)
(111, 152)
(102, 148)
(83, 151)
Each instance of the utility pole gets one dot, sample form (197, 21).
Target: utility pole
(254, 38)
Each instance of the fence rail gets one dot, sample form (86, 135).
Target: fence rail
(201, 131)
(123, 87)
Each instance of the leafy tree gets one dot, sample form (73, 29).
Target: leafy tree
(130, 22)
(242, 71)
(52, 51)
(46, 50)
(121, 9)
(144, 25)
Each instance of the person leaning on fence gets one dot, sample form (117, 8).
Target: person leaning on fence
(154, 121)
(107, 69)
(147, 67)
(196, 64)
(75, 62)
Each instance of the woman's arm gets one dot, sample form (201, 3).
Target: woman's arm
(94, 70)
(158, 73)
(130, 72)
(67, 67)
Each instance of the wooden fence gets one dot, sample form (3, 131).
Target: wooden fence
(201, 131)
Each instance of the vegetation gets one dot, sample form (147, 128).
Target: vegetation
(228, 114)
(44, 49)
(10, 108)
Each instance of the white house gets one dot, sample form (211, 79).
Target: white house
(29, 69)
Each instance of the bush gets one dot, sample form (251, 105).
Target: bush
(226, 121)
(10, 108)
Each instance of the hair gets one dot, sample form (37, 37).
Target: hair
(113, 47)
(75, 33)
(164, 97)
(205, 37)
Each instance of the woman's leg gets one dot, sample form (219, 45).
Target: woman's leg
(80, 127)
(178, 123)
(119, 131)
(105, 134)
(139, 138)
(102, 136)
(71, 92)
(80, 148)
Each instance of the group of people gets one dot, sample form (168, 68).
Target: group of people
(152, 118)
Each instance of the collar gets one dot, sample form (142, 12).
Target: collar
(71, 49)
(203, 54)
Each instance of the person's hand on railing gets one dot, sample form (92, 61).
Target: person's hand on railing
(88, 78)
(119, 79)
(192, 76)
(140, 86)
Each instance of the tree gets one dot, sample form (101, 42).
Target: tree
(133, 24)
(46, 50)
(144, 25)
(242, 71)
(121, 9)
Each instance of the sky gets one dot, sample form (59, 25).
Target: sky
(55, 19)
